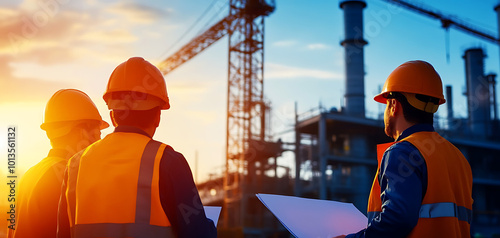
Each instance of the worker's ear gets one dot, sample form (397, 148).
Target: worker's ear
(394, 106)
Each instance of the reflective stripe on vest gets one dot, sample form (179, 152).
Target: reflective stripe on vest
(136, 230)
(74, 163)
(141, 227)
(443, 209)
(143, 201)
(372, 215)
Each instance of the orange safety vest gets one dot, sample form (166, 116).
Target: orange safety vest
(38, 197)
(446, 209)
(113, 189)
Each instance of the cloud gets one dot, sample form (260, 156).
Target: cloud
(285, 43)
(53, 33)
(318, 46)
(278, 71)
(44, 37)
(19, 89)
(111, 36)
(6, 13)
(138, 13)
(293, 43)
(47, 32)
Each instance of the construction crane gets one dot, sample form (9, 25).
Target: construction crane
(245, 99)
(447, 21)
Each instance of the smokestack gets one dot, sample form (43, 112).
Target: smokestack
(449, 107)
(478, 96)
(492, 84)
(497, 10)
(354, 57)
(493, 92)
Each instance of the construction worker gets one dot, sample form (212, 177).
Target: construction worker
(127, 184)
(71, 122)
(423, 186)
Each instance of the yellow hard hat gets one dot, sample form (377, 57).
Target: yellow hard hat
(136, 84)
(69, 107)
(412, 78)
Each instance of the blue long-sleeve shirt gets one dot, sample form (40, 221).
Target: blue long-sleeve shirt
(403, 183)
(180, 199)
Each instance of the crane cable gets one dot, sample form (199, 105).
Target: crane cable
(447, 44)
(162, 56)
(213, 17)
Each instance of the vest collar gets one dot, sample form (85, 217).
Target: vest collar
(131, 129)
(414, 129)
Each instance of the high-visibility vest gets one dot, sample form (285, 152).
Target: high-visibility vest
(113, 191)
(38, 197)
(446, 209)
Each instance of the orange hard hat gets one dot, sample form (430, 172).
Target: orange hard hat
(69, 107)
(411, 78)
(136, 84)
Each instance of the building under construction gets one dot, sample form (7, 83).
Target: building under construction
(335, 150)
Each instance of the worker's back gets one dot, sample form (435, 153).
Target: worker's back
(38, 197)
(72, 122)
(113, 187)
(447, 205)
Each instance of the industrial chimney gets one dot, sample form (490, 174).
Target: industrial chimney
(354, 57)
(353, 44)
(497, 10)
(449, 104)
(478, 93)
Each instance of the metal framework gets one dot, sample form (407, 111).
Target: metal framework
(245, 105)
(197, 45)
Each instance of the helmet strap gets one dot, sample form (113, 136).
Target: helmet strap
(429, 107)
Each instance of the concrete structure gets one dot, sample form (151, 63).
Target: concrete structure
(329, 167)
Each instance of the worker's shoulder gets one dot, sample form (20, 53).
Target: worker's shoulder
(49, 163)
(404, 147)
(48, 170)
(402, 155)
(169, 153)
(173, 162)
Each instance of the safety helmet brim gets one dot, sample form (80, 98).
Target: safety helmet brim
(382, 98)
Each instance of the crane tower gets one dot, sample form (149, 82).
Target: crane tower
(245, 106)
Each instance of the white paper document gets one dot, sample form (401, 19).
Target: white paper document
(313, 218)
(212, 213)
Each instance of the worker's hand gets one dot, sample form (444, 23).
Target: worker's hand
(341, 236)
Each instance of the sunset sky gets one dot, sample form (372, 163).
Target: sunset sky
(48, 45)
